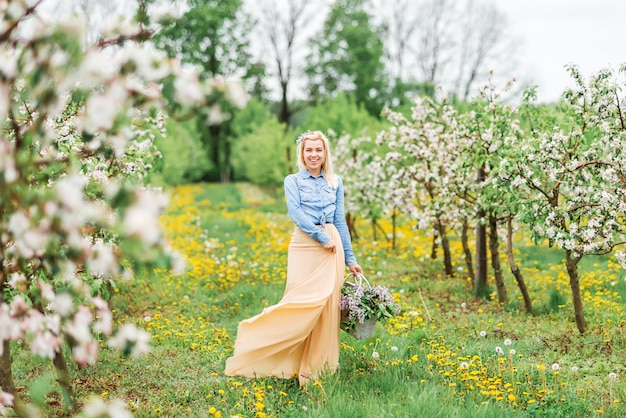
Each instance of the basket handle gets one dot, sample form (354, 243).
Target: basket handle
(358, 279)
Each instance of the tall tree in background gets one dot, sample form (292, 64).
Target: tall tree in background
(434, 45)
(213, 35)
(348, 56)
(452, 44)
(483, 40)
(283, 26)
(401, 26)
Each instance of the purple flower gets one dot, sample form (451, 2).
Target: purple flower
(361, 302)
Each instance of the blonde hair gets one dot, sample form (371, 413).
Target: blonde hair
(327, 166)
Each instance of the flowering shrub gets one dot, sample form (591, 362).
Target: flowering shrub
(77, 125)
(360, 302)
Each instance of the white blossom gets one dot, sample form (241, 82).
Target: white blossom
(98, 408)
(130, 339)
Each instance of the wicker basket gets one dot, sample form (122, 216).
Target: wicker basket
(367, 328)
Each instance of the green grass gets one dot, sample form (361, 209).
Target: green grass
(419, 370)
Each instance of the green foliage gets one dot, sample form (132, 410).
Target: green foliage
(264, 155)
(342, 115)
(184, 157)
(212, 35)
(556, 302)
(348, 55)
(250, 118)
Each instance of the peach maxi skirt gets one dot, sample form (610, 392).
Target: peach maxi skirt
(299, 336)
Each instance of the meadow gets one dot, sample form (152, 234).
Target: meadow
(445, 355)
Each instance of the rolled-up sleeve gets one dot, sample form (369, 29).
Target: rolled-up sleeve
(341, 225)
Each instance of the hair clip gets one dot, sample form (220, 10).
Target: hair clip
(302, 136)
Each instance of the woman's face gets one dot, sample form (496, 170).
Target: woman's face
(313, 153)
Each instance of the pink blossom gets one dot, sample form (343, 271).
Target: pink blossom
(96, 407)
(46, 290)
(142, 218)
(63, 304)
(86, 353)
(104, 318)
(78, 327)
(102, 261)
(19, 307)
(131, 340)
(9, 327)
(6, 399)
(45, 344)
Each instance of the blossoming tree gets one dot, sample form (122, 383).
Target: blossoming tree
(77, 123)
(577, 172)
(419, 161)
(363, 171)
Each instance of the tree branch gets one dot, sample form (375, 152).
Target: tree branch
(4, 37)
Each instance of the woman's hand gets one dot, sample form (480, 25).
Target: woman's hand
(331, 246)
(356, 269)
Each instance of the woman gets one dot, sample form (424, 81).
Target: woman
(299, 336)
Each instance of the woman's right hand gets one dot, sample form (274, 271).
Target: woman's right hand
(331, 246)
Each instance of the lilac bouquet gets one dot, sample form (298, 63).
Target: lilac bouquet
(362, 303)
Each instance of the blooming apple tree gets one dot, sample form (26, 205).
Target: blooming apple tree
(365, 181)
(445, 161)
(577, 172)
(422, 151)
(76, 142)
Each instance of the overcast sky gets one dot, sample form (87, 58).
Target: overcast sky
(553, 33)
(550, 34)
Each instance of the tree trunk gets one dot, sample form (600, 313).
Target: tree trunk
(480, 283)
(572, 270)
(6, 359)
(288, 159)
(445, 246)
(393, 230)
(6, 373)
(350, 220)
(6, 381)
(374, 236)
(514, 267)
(495, 259)
(284, 114)
(467, 252)
(435, 246)
(64, 378)
(380, 229)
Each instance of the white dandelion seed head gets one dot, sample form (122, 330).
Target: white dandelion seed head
(508, 342)
(555, 366)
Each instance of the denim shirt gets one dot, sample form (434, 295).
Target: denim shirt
(311, 201)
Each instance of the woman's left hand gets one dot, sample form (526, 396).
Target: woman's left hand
(356, 269)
